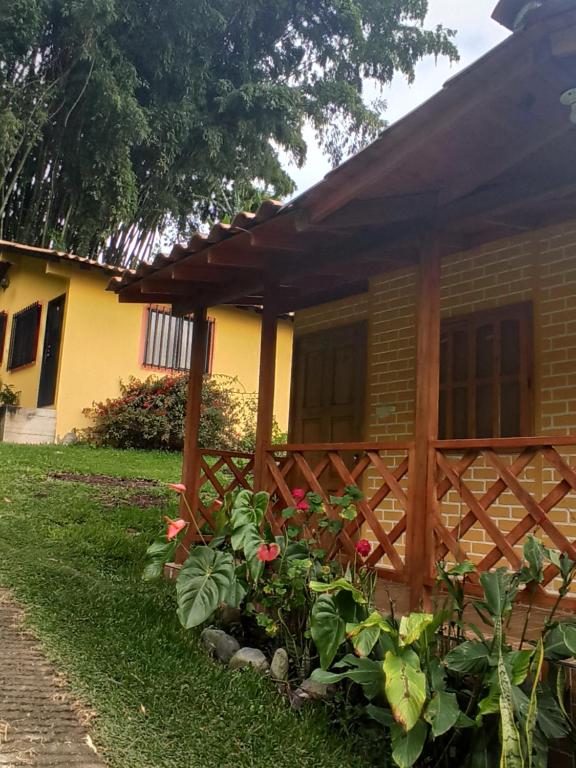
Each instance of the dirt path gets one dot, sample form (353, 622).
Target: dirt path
(39, 724)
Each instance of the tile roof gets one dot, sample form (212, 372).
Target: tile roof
(242, 222)
(53, 254)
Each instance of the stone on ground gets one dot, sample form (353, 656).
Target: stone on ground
(280, 665)
(249, 657)
(220, 644)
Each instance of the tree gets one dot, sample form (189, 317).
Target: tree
(119, 118)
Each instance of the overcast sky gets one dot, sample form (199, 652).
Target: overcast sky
(476, 34)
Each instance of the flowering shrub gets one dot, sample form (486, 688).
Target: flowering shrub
(150, 414)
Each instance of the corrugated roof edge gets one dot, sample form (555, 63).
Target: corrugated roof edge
(52, 254)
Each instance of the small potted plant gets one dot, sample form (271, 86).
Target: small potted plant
(9, 399)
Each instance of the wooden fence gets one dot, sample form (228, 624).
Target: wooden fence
(488, 495)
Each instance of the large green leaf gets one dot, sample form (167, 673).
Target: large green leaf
(237, 592)
(251, 544)
(203, 584)
(405, 686)
(338, 586)
(158, 554)
(366, 634)
(470, 657)
(407, 747)
(560, 642)
(365, 672)
(380, 715)
(412, 627)
(328, 628)
(442, 713)
(550, 717)
(518, 665)
(499, 591)
(534, 555)
(249, 508)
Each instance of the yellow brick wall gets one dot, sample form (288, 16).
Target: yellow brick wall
(538, 266)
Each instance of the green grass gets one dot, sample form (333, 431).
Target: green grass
(72, 554)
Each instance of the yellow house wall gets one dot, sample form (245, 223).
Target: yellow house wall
(237, 354)
(103, 341)
(540, 267)
(28, 284)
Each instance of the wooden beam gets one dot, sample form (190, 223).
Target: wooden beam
(203, 274)
(375, 212)
(266, 385)
(419, 540)
(191, 454)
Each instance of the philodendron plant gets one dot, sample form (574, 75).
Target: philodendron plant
(449, 692)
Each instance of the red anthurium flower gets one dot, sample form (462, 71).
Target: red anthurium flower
(268, 552)
(174, 527)
(178, 487)
(303, 506)
(298, 493)
(363, 547)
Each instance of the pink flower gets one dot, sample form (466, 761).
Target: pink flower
(174, 527)
(303, 506)
(298, 494)
(268, 552)
(363, 547)
(178, 487)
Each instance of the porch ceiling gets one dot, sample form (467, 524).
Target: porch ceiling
(492, 154)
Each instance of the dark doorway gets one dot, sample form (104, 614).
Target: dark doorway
(51, 352)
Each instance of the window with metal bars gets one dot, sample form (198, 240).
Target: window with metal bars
(24, 337)
(3, 327)
(168, 343)
(486, 374)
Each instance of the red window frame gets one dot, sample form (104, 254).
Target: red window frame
(3, 329)
(33, 352)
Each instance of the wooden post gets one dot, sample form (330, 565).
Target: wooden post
(266, 382)
(419, 540)
(191, 455)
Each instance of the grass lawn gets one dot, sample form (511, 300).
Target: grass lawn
(72, 553)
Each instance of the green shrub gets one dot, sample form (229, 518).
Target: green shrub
(150, 415)
(8, 395)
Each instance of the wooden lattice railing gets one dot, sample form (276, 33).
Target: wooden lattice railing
(490, 494)
(379, 470)
(221, 472)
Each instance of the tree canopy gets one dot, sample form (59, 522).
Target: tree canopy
(120, 118)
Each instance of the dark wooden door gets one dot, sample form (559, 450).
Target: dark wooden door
(51, 352)
(329, 386)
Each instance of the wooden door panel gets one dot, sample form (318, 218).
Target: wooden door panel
(329, 386)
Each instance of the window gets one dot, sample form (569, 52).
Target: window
(3, 326)
(169, 341)
(24, 337)
(486, 374)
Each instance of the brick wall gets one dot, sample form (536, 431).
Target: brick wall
(540, 267)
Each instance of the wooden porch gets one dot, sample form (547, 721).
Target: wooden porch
(529, 480)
